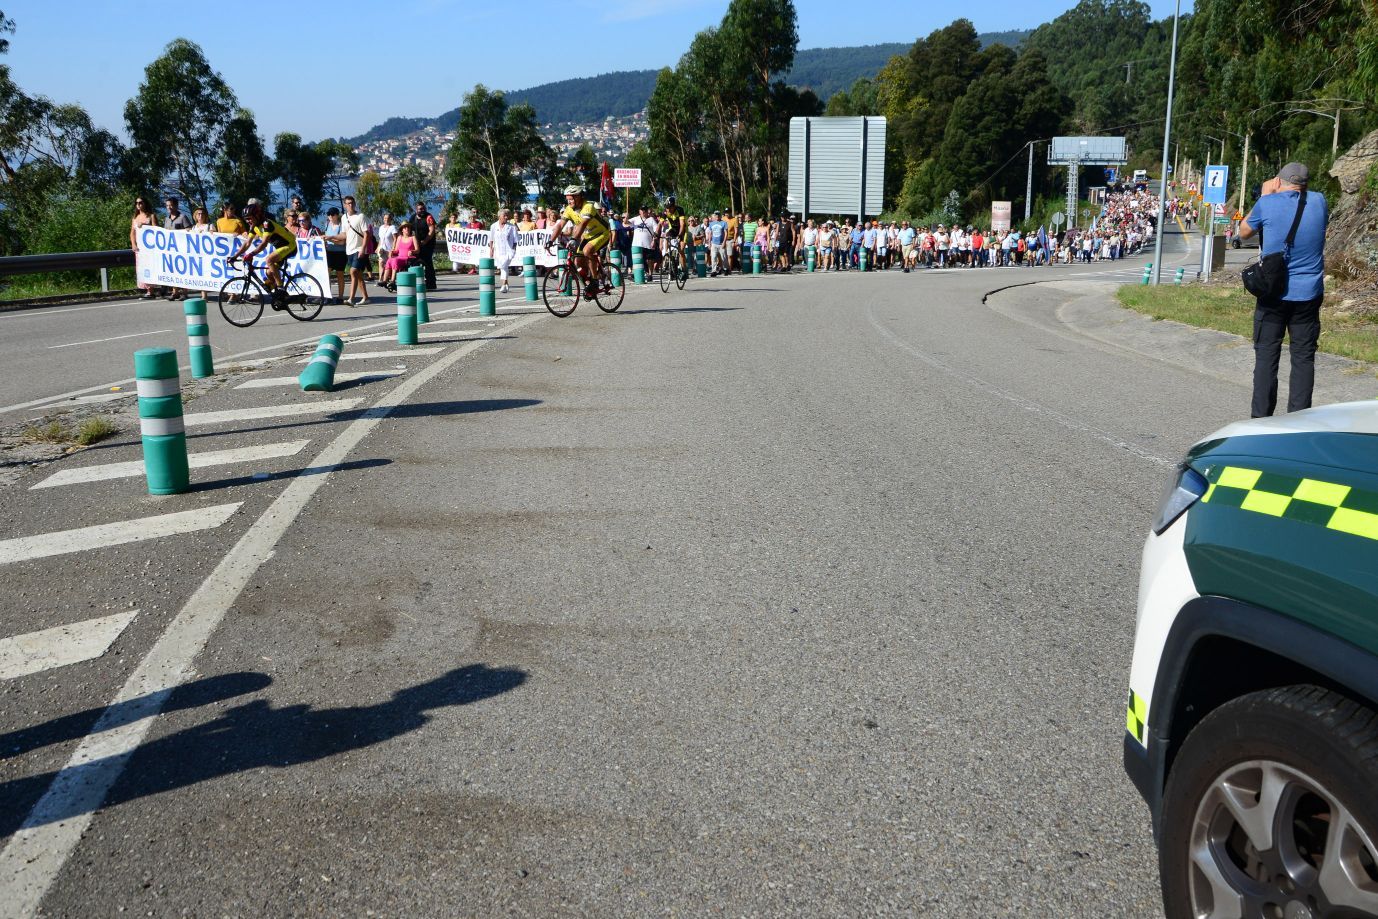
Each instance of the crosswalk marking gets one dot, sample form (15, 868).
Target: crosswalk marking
(269, 411)
(133, 468)
(370, 355)
(104, 535)
(268, 382)
(60, 645)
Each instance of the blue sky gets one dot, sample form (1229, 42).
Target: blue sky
(335, 68)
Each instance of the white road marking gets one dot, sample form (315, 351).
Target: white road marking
(269, 411)
(61, 645)
(429, 335)
(269, 382)
(43, 844)
(133, 468)
(369, 355)
(104, 397)
(103, 535)
(97, 341)
(473, 319)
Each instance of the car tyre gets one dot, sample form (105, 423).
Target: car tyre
(1271, 810)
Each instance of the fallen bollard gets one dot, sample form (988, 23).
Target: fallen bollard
(487, 297)
(529, 276)
(319, 375)
(198, 338)
(160, 421)
(406, 308)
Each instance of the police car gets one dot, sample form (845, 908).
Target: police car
(1251, 725)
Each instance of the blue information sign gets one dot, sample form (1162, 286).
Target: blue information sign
(1217, 179)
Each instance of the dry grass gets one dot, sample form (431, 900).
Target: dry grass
(90, 431)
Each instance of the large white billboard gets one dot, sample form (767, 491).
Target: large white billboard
(837, 165)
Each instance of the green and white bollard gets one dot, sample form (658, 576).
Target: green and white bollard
(487, 297)
(756, 259)
(406, 308)
(616, 257)
(862, 261)
(1148, 272)
(160, 421)
(567, 287)
(198, 338)
(638, 265)
(700, 261)
(529, 276)
(1180, 272)
(423, 312)
(810, 258)
(319, 375)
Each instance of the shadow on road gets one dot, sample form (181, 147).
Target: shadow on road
(256, 735)
(680, 309)
(286, 474)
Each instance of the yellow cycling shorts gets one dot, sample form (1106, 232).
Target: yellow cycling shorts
(282, 253)
(598, 242)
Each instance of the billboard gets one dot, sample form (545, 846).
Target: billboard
(836, 165)
(1088, 151)
(1000, 215)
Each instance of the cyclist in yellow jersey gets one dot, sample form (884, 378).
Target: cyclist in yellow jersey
(265, 232)
(589, 235)
(675, 227)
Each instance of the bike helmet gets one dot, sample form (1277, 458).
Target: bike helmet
(670, 201)
(574, 190)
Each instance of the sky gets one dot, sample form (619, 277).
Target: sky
(335, 73)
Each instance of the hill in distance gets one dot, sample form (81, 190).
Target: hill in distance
(626, 92)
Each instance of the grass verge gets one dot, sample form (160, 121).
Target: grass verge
(88, 432)
(1229, 309)
(27, 286)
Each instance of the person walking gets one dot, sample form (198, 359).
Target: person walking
(423, 228)
(357, 233)
(1295, 219)
(387, 241)
(336, 259)
(502, 245)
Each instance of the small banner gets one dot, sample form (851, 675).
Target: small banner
(1000, 216)
(468, 246)
(196, 261)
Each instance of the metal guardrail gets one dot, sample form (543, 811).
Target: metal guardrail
(68, 261)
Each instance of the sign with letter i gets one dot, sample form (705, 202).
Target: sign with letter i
(1217, 178)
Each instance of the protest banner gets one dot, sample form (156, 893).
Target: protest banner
(466, 247)
(1000, 216)
(196, 261)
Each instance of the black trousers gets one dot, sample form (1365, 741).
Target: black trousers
(427, 259)
(1301, 321)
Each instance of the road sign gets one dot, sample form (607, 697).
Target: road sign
(1217, 178)
(1220, 210)
(1059, 219)
(1110, 176)
(626, 178)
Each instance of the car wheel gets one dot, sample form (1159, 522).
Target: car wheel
(1271, 810)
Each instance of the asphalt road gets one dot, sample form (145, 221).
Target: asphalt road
(806, 595)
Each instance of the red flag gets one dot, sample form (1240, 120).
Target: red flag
(607, 192)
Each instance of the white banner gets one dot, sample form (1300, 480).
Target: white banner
(1000, 216)
(196, 261)
(468, 246)
(626, 178)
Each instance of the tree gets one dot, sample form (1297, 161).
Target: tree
(861, 99)
(178, 119)
(583, 165)
(243, 170)
(494, 147)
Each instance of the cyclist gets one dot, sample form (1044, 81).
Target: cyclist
(590, 234)
(674, 228)
(265, 232)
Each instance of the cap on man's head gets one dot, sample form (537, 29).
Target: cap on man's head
(1295, 174)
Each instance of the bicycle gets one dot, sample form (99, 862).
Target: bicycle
(563, 287)
(242, 297)
(671, 269)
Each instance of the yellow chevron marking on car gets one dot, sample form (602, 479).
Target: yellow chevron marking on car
(1136, 721)
(1303, 500)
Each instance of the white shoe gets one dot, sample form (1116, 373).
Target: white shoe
(504, 288)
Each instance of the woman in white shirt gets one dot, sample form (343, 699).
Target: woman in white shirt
(387, 240)
(502, 245)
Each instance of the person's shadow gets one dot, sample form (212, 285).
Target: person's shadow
(255, 735)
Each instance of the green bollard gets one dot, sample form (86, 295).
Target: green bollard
(1148, 272)
(319, 375)
(423, 312)
(529, 276)
(198, 338)
(862, 261)
(160, 421)
(810, 258)
(406, 308)
(756, 259)
(487, 297)
(616, 258)
(1180, 272)
(701, 261)
(638, 265)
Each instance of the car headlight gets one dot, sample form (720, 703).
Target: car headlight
(1183, 490)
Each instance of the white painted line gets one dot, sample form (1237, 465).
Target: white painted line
(133, 468)
(269, 382)
(98, 341)
(370, 355)
(43, 844)
(104, 397)
(450, 334)
(473, 319)
(269, 411)
(103, 535)
(61, 645)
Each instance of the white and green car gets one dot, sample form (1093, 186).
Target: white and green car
(1251, 729)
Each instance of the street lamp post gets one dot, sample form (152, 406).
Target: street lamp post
(1167, 136)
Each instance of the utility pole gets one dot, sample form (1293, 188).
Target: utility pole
(1335, 138)
(1244, 174)
(1028, 187)
(1167, 136)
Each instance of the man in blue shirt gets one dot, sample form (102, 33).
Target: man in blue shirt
(717, 241)
(1297, 310)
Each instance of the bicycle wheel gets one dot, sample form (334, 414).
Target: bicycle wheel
(304, 297)
(609, 298)
(663, 274)
(241, 301)
(681, 275)
(561, 290)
